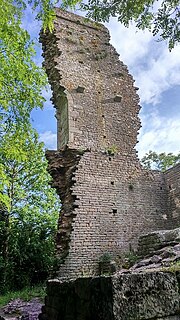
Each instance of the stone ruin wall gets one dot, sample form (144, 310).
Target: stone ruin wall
(172, 177)
(108, 200)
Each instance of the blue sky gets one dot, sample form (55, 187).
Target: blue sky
(157, 74)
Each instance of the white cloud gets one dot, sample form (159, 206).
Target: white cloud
(50, 139)
(154, 68)
(159, 75)
(162, 136)
(132, 45)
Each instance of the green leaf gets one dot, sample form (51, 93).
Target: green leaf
(161, 161)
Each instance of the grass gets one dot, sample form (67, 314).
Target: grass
(24, 294)
(174, 267)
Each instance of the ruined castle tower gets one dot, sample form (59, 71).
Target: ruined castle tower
(108, 200)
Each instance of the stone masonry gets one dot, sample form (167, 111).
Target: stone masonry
(108, 199)
(148, 290)
(172, 177)
(137, 296)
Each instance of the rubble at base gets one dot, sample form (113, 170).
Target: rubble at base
(21, 310)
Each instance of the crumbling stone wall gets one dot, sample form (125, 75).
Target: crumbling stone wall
(172, 177)
(88, 79)
(62, 169)
(108, 200)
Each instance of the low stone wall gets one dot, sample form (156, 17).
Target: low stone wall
(152, 295)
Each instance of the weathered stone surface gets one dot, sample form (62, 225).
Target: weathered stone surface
(158, 239)
(145, 296)
(87, 298)
(62, 168)
(148, 290)
(108, 200)
(169, 318)
(167, 257)
(151, 295)
(172, 178)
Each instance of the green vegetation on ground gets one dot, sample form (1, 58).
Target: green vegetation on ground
(26, 294)
(174, 267)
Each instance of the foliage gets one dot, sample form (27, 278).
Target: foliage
(106, 257)
(30, 212)
(129, 259)
(25, 294)
(162, 18)
(112, 150)
(21, 81)
(161, 161)
(173, 267)
(28, 206)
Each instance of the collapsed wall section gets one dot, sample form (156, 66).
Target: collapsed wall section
(108, 200)
(62, 167)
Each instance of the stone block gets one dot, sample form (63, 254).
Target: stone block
(145, 296)
(151, 295)
(158, 239)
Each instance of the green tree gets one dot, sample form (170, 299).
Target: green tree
(29, 217)
(160, 17)
(161, 161)
(28, 206)
(21, 81)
